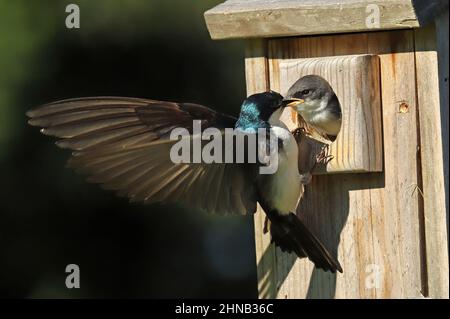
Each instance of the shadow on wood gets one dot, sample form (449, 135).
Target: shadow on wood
(379, 219)
(320, 284)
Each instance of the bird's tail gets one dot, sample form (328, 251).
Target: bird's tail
(291, 235)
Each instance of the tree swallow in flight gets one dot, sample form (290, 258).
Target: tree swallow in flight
(319, 105)
(124, 145)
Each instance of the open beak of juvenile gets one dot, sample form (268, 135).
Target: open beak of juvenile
(292, 102)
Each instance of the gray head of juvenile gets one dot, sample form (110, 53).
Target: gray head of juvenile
(318, 105)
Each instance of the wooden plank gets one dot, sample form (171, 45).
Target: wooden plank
(356, 82)
(433, 180)
(442, 34)
(371, 221)
(266, 18)
(256, 68)
(397, 228)
(256, 72)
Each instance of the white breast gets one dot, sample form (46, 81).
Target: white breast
(282, 189)
(316, 114)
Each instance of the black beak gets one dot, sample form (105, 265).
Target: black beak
(292, 102)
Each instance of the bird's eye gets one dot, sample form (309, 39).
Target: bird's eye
(305, 92)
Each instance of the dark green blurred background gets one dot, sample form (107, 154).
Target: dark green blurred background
(49, 216)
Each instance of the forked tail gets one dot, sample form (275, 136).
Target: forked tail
(291, 235)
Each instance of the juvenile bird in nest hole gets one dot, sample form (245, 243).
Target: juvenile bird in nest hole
(320, 108)
(124, 145)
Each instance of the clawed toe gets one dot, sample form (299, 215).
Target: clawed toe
(324, 157)
(298, 131)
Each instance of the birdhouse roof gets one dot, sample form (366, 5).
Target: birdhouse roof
(277, 18)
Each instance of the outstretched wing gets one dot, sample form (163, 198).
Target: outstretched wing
(124, 145)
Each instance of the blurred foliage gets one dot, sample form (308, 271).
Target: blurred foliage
(49, 216)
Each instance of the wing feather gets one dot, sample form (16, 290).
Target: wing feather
(123, 144)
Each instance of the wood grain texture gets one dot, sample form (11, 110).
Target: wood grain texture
(432, 162)
(256, 68)
(266, 18)
(356, 81)
(371, 221)
(256, 73)
(442, 35)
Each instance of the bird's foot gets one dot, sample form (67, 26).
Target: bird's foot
(298, 132)
(324, 157)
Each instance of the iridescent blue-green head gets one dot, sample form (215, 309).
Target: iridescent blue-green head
(261, 109)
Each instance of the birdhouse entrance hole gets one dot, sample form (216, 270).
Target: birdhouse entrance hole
(356, 81)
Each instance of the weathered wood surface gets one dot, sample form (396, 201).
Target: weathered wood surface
(372, 221)
(267, 18)
(442, 35)
(356, 81)
(256, 66)
(432, 162)
(257, 77)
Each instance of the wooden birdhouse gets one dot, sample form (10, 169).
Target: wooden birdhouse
(381, 203)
